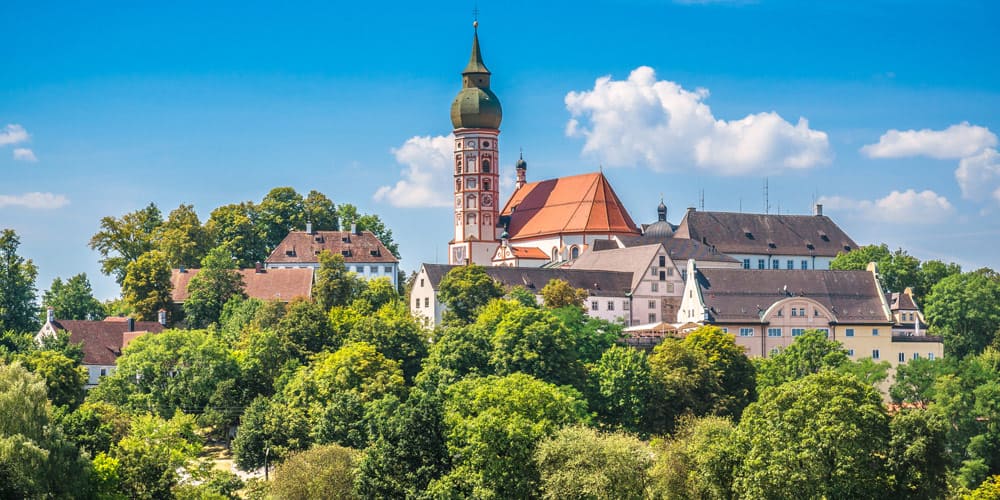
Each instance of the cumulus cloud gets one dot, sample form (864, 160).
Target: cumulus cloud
(979, 175)
(659, 124)
(957, 141)
(426, 178)
(24, 154)
(911, 207)
(12, 134)
(41, 201)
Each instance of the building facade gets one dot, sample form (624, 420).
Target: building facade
(363, 253)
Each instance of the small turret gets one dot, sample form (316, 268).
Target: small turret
(522, 172)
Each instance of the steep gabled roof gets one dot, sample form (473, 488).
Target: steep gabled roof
(632, 259)
(737, 233)
(301, 247)
(741, 295)
(679, 249)
(601, 283)
(282, 284)
(102, 341)
(576, 204)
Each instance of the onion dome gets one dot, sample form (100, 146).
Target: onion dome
(661, 228)
(521, 164)
(476, 106)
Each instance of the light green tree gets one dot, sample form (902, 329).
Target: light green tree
(121, 241)
(558, 293)
(334, 285)
(146, 287)
(234, 227)
(324, 471)
(72, 299)
(697, 461)
(208, 291)
(182, 238)
(965, 309)
(620, 387)
(579, 462)
(64, 378)
(809, 353)
(466, 289)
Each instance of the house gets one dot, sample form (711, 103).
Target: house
(769, 241)
(282, 284)
(608, 289)
(766, 309)
(102, 342)
(363, 252)
(656, 285)
(907, 319)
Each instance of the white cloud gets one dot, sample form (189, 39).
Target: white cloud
(979, 175)
(659, 124)
(12, 134)
(426, 179)
(24, 154)
(43, 201)
(925, 207)
(957, 141)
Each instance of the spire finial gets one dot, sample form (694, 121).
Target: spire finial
(475, 17)
(522, 152)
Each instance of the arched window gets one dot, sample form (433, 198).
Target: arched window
(458, 184)
(458, 164)
(470, 218)
(486, 165)
(574, 251)
(470, 201)
(555, 254)
(486, 184)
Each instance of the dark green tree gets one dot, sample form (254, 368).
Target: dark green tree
(918, 454)
(534, 341)
(395, 334)
(235, 228)
(122, 241)
(737, 380)
(810, 353)
(208, 291)
(17, 287)
(280, 211)
(965, 309)
(73, 299)
(931, 272)
(320, 211)
(95, 426)
(454, 354)
(182, 238)
(914, 380)
(64, 378)
(306, 329)
(146, 287)
(334, 285)
(620, 387)
(897, 270)
(464, 290)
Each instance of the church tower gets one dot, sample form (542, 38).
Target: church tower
(476, 115)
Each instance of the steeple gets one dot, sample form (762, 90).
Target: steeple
(521, 169)
(476, 106)
(476, 65)
(661, 211)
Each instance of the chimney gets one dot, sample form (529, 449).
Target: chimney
(309, 227)
(354, 228)
(161, 316)
(258, 267)
(818, 209)
(131, 324)
(50, 314)
(182, 270)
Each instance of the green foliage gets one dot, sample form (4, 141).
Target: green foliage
(263, 357)
(208, 291)
(810, 353)
(122, 241)
(324, 471)
(320, 211)
(280, 211)
(73, 299)
(234, 227)
(182, 238)
(95, 426)
(464, 290)
(146, 286)
(17, 287)
(306, 329)
(455, 353)
(620, 387)
(914, 380)
(696, 462)
(965, 309)
(334, 284)
(149, 457)
(557, 293)
(592, 336)
(349, 215)
(821, 436)
(931, 272)
(867, 370)
(494, 424)
(64, 378)
(522, 295)
(918, 454)
(732, 369)
(989, 490)
(378, 292)
(534, 341)
(395, 334)
(578, 462)
(897, 270)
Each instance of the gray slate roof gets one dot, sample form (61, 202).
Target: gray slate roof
(602, 283)
(679, 249)
(736, 233)
(741, 295)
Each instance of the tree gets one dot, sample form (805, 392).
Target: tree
(578, 462)
(396, 334)
(697, 461)
(494, 425)
(306, 329)
(95, 426)
(965, 309)
(150, 456)
(533, 341)
(810, 353)
(867, 370)
(914, 381)
(64, 378)
(822, 436)
(918, 454)
(17, 287)
(73, 299)
(456, 353)
(683, 380)
(334, 284)
(182, 238)
(409, 452)
(557, 293)
(146, 287)
(280, 211)
(211, 288)
(620, 386)
(268, 429)
(348, 215)
(320, 212)
(897, 270)
(234, 227)
(931, 272)
(378, 292)
(122, 241)
(593, 336)
(324, 471)
(735, 373)
(464, 290)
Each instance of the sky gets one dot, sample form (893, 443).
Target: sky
(884, 112)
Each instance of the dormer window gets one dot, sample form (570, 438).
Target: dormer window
(345, 253)
(770, 244)
(748, 234)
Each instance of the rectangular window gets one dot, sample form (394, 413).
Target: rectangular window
(387, 269)
(805, 264)
(781, 313)
(104, 372)
(663, 261)
(611, 305)
(790, 264)
(849, 332)
(826, 331)
(652, 317)
(421, 282)
(626, 305)
(930, 356)
(670, 288)
(902, 357)
(874, 332)
(797, 331)
(761, 264)
(652, 304)
(725, 330)
(746, 332)
(746, 263)
(416, 302)
(875, 354)
(670, 271)
(427, 302)
(795, 312)
(652, 272)
(775, 264)
(802, 312)
(373, 269)
(593, 305)
(663, 276)
(654, 287)
(774, 332)
(850, 352)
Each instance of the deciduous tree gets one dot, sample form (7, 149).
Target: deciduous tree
(121, 241)
(579, 462)
(325, 471)
(965, 309)
(466, 289)
(146, 288)
(17, 287)
(209, 290)
(234, 227)
(558, 293)
(334, 284)
(182, 238)
(620, 387)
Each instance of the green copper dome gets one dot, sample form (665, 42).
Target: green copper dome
(476, 106)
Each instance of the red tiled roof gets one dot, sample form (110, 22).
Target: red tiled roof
(576, 204)
(529, 253)
(102, 341)
(271, 284)
(303, 247)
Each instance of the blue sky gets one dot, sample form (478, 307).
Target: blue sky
(104, 108)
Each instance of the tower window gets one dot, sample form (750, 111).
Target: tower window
(470, 219)
(470, 201)
(470, 183)
(486, 166)
(486, 184)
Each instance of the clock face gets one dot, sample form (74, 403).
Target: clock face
(471, 144)
(487, 200)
